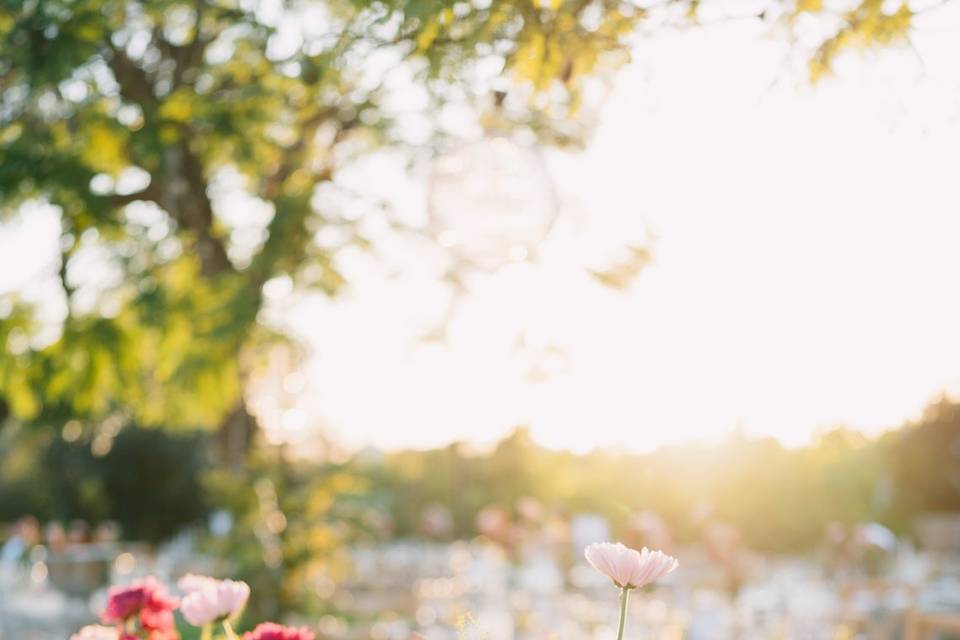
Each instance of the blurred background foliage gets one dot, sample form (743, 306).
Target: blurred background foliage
(779, 499)
(148, 481)
(293, 513)
(126, 115)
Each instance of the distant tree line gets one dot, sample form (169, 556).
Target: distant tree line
(153, 482)
(778, 498)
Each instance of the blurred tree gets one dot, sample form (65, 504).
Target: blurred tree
(129, 117)
(926, 461)
(145, 480)
(153, 481)
(152, 126)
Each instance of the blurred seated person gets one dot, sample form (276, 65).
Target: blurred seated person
(55, 536)
(837, 554)
(724, 547)
(874, 549)
(79, 533)
(437, 522)
(530, 511)
(24, 535)
(495, 524)
(106, 533)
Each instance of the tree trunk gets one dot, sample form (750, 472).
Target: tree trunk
(235, 436)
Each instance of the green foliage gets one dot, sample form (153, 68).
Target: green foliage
(291, 520)
(145, 480)
(927, 467)
(167, 357)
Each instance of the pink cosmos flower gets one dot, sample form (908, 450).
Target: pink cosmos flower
(273, 631)
(212, 600)
(96, 632)
(192, 582)
(628, 568)
(146, 598)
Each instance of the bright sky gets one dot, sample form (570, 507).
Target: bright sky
(806, 250)
(804, 277)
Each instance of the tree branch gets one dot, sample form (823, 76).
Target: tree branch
(135, 86)
(151, 194)
(190, 206)
(293, 154)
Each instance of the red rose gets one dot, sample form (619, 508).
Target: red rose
(147, 600)
(273, 631)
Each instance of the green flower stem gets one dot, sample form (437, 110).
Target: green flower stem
(624, 596)
(228, 629)
(207, 632)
